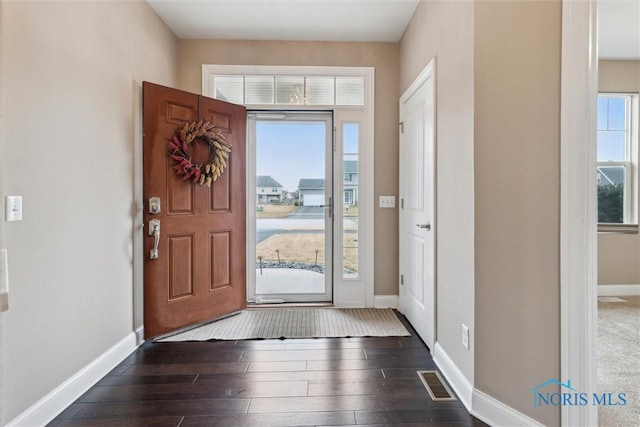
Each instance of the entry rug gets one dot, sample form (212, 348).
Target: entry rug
(297, 323)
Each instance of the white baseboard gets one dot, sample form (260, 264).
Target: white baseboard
(618, 290)
(47, 408)
(386, 301)
(496, 413)
(479, 404)
(454, 376)
(139, 335)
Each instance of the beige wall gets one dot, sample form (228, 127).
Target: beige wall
(72, 76)
(517, 193)
(382, 56)
(619, 254)
(444, 30)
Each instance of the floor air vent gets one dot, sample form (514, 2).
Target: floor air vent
(438, 389)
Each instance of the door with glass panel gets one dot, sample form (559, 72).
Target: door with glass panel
(292, 214)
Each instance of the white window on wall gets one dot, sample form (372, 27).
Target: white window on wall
(617, 157)
(266, 90)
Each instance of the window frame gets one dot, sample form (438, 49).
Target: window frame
(347, 194)
(630, 164)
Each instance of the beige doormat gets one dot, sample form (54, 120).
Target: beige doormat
(297, 323)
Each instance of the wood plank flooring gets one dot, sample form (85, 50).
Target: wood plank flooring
(296, 382)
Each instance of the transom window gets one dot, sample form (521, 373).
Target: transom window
(617, 158)
(289, 90)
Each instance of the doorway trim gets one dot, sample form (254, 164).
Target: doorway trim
(578, 232)
(346, 293)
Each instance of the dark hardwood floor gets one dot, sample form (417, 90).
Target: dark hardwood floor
(294, 382)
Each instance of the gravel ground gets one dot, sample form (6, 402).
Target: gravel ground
(294, 265)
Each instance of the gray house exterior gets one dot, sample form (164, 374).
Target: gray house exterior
(350, 183)
(314, 188)
(311, 191)
(268, 190)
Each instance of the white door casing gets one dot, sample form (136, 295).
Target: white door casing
(417, 205)
(578, 224)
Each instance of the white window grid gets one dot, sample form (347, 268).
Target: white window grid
(305, 90)
(628, 164)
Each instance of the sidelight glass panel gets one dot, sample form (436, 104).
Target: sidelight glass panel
(350, 187)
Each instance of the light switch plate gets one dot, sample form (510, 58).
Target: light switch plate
(14, 208)
(387, 201)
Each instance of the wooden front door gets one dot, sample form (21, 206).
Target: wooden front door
(200, 270)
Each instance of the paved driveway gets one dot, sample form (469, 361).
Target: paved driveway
(310, 210)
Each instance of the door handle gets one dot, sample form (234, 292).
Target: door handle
(330, 206)
(426, 226)
(154, 230)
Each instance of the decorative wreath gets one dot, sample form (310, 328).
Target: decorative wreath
(203, 173)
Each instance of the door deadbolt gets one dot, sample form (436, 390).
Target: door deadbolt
(154, 205)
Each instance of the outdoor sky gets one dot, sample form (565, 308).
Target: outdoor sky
(289, 151)
(611, 128)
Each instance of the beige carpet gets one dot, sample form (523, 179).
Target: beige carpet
(619, 358)
(297, 323)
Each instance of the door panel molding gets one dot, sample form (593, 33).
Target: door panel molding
(181, 246)
(221, 260)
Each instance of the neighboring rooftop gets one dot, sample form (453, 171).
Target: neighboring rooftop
(611, 175)
(311, 184)
(266, 181)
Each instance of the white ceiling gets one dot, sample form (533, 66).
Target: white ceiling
(305, 20)
(619, 29)
(352, 20)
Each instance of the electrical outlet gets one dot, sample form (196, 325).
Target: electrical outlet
(465, 336)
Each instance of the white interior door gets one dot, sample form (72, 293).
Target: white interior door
(417, 213)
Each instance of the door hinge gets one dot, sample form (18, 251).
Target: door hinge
(401, 203)
(401, 124)
(402, 279)
(335, 133)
